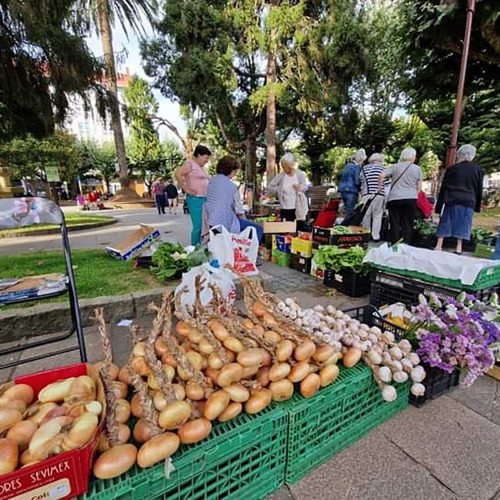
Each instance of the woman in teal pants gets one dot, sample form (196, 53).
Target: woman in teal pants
(193, 180)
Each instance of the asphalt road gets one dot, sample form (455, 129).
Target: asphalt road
(172, 227)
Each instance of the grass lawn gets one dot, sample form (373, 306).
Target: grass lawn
(96, 273)
(72, 220)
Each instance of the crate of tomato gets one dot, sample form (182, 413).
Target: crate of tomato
(344, 269)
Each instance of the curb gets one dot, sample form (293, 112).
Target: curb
(45, 232)
(42, 319)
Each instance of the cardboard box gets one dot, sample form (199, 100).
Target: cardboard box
(300, 263)
(135, 243)
(302, 247)
(324, 236)
(280, 258)
(283, 243)
(63, 476)
(279, 227)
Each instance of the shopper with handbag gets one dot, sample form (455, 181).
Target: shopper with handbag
(402, 199)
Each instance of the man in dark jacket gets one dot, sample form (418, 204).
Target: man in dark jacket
(349, 181)
(461, 195)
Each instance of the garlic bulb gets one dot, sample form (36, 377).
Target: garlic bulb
(396, 353)
(385, 374)
(389, 336)
(407, 365)
(389, 393)
(418, 374)
(405, 346)
(414, 358)
(396, 366)
(375, 357)
(418, 389)
(376, 330)
(400, 377)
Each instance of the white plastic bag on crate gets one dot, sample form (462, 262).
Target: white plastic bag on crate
(218, 276)
(238, 250)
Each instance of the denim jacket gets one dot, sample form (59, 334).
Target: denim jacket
(349, 180)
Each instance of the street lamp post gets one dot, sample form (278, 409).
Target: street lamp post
(452, 148)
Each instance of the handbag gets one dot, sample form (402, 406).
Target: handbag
(424, 205)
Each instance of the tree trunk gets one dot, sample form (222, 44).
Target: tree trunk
(251, 167)
(109, 62)
(271, 118)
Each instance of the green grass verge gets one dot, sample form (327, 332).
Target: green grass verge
(72, 220)
(96, 273)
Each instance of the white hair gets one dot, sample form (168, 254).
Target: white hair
(376, 158)
(289, 159)
(360, 155)
(467, 152)
(408, 154)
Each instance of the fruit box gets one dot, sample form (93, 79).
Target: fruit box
(302, 247)
(63, 476)
(358, 236)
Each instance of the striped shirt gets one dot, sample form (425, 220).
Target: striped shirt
(369, 176)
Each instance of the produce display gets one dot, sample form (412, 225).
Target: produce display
(64, 416)
(426, 227)
(349, 230)
(172, 259)
(342, 259)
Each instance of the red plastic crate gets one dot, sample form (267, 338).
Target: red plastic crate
(64, 476)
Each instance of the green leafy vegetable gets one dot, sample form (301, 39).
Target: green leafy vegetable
(425, 227)
(341, 259)
(341, 230)
(480, 234)
(171, 259)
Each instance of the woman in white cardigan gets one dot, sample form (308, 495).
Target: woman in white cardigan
(290, 185)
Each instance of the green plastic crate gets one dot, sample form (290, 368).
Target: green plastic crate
(484, 251)
(487, 277)
(242, 458)
(336, 417)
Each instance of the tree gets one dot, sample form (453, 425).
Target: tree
(172, 158)
(101, 14)
(43, 57)
(101, 158)
(144, 149)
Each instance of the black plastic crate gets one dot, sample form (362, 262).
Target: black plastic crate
(423, 241)
(436, 382)
(382, 294)
(369, 315)
(300, 263)
(348, 282)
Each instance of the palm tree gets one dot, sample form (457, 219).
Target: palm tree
(101, 15)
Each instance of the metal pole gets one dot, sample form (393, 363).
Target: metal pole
(452, 148)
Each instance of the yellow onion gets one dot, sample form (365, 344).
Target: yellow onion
(194, 431)
(281, 390)
(9, 455)
(216, 404)
(81, 432)
(115, 461)
(194, 391)
(9, 417)
(237, 393)
(279, 371)
(194, 336)
(139, 349)
(123, 437)
(251, 357)
(215, 361)
(196, 359)
(232, 411)
(124, 375)
(247, 323)
(351, 357)
(323, 353)
(143, 430)
(24, 392)
(120, 389)
(300, 371)
(122, 411)
(249, 371)
(328, 374)
(157, 449)
(270, 321)
(305, 350)
(135, 406)
(161, 347)
(14, 404)
(259, 309)
(205, 347)
(41, 412)
(179, 391)
(140, 366)
(56, 391)
(263, 376)
(258, 401)
(229, 374)
(42, 441)
(159, 400)
(233, 344)
(174, 415)
(310, 385)
(182, 328)
(22, 432)
(82, 389)
(212, 374)
(284, 350)
(218, 329)
(273, 337)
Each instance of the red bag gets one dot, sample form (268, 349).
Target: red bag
(328, 214)
(424, 205)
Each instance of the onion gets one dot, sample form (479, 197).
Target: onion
(281, 390)
(259, 309)
(160, 347)
(251, 357)
(179, 391)
(123, 437)
(247, 323)
(140, 366)
(284, 350)
(218, 329)
(124, 375)
(182, 328)
(328, 374)
(143, 430)
(233, 344)
(135, 406)
(196, 359)
(263, 376)
(56, 391)
(157, 449)
(270, 321)
(231, 356)
(38, 411)
(115, 461)
(9, 417)
(82, 389)
(310, 385)
(305, 350)
(14, 404)
(122, 411)
(194, 431)
(9, 455)
(81, 431)
(43, 439)
(139, 349)
(205, 347)
(194, 391)
(174, 415)
(300, 371)
(167, 359)
(232, 411)
(273, 337)
(237, 393)
(323, 353)
(194, 336)
(159, 400)
(216, 404)
(229, 374)
(215, 361)
(212, 374)
(93, 370)
(351, 357)
(258, 401)
(120, 389)
(95, 407)
(279, 371)
(22, 432)
(24, 392)
(249, 371)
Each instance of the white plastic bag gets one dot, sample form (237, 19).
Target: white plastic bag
(238, 250)
(301, 206)
(222, 278)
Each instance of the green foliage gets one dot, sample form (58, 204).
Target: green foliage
(172, 158)
(171, 260)
(101, 158)
(336, 158)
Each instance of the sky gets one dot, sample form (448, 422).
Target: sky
(167, 109)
